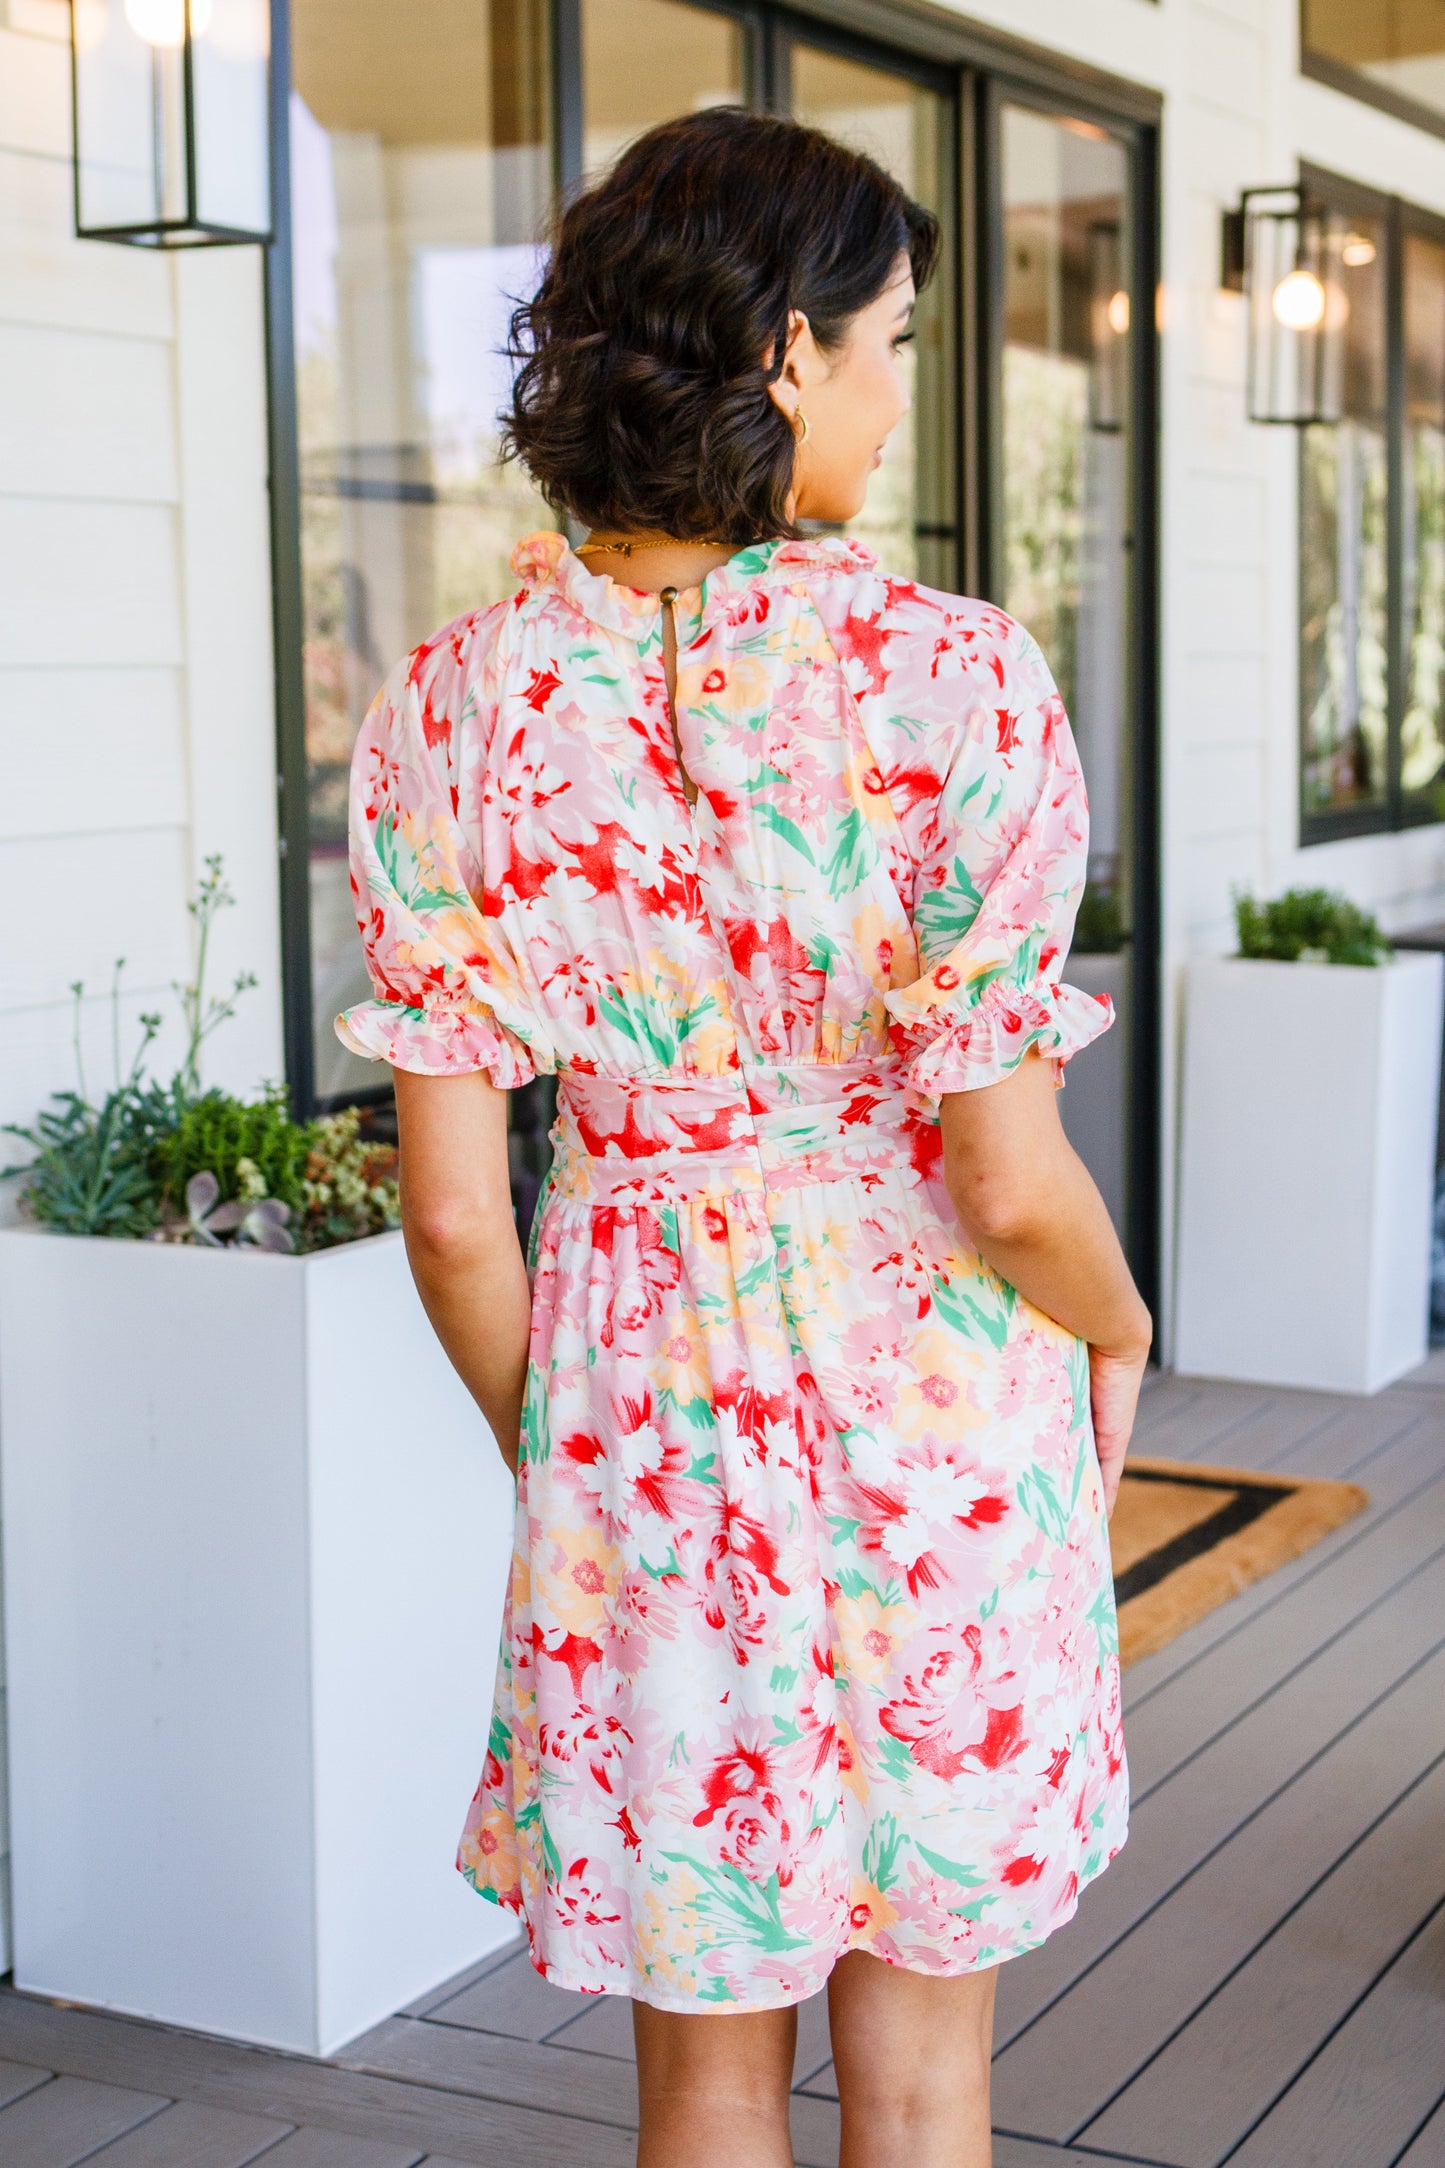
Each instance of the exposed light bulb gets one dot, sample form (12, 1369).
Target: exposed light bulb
(1118, 312)
(1357, 250)
(1299, 301)
(163, 22)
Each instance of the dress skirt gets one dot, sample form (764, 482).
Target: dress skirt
(810, 1642)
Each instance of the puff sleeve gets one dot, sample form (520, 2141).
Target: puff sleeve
(447, 997)
(998, 888)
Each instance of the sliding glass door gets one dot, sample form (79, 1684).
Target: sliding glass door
(421, 172)
(1063, 559)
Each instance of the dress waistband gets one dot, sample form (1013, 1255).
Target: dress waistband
(655, 1139)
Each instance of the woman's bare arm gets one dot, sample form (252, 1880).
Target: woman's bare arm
(1029, 1205)
(461, 1238)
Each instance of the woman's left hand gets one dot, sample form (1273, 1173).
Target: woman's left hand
(1114, 1382)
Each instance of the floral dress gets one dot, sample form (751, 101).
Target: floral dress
(810, 1640)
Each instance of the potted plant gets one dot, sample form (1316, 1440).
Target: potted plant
(255, 1539)
(1311, 1088)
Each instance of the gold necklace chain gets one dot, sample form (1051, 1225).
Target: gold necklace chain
(667, 542)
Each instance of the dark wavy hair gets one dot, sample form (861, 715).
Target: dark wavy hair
(640, 399)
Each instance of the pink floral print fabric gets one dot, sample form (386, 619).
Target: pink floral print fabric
(810, 1640)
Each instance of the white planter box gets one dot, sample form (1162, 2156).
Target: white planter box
(256, 1542)
(1306, 1170)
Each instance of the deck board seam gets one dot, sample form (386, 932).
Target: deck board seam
(1253, 1951)
(465, 2092)
(1341, 2021)
(1226, 1839)
(1327, 1422)
(1362, 1528)
(241, 2062)
(1066, 2147)
(1296, 1668)
(1423, 2125)
(1286, 1678)
(116, 2135)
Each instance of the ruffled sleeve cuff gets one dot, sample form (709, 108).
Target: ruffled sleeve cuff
(990, 1038)
(442, 1039)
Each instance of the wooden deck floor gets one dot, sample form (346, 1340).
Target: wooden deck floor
(1259, 1979)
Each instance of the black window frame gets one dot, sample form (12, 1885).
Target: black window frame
(1335, 191)
(979, 69)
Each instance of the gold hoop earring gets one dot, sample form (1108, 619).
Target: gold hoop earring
(804, 433)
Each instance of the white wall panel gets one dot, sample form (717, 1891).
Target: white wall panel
(34, 95)
(1211, 148)
(1226, 788)
(1226, 609)
(89, 750)
(71, 906)
(1222, 700)
(48, 277)
(88, 583)
(86, 415)
(1225, 62)
(226, 583)
(1221, 515)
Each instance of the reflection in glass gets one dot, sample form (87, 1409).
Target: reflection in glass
(645, 61)
(1422, 734)
(421, 170)
(1399, 48)
(1063, 558)
(1065, 436)
(910, 517)
(1344, 679)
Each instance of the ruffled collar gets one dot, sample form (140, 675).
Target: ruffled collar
(545, 560)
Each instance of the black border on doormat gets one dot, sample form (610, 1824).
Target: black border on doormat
(1249, 1501)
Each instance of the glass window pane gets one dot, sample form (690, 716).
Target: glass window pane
(1399, 48)
(1065, 433)
(1422, 734)
(1063, 505)
(421, 168)
(645, 61)
(910, 517)
(1344, 676)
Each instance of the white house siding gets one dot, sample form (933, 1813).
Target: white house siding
(136, 722)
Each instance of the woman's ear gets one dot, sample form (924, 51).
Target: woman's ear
(802, 361)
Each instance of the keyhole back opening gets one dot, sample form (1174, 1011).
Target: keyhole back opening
(669, 668)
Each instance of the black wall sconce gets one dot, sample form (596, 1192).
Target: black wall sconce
(1283, 253)
(171, 104)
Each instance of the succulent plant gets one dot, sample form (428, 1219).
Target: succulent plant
(260, 1223)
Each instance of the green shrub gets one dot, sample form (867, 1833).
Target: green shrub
(126, 1166)
(216, 1134)
(1313, 925)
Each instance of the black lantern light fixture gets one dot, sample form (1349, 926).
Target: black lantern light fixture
(1285, 255)
(172, 121)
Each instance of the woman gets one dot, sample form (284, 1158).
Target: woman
(808, 1671)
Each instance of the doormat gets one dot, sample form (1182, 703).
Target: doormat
(1186, 1538)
